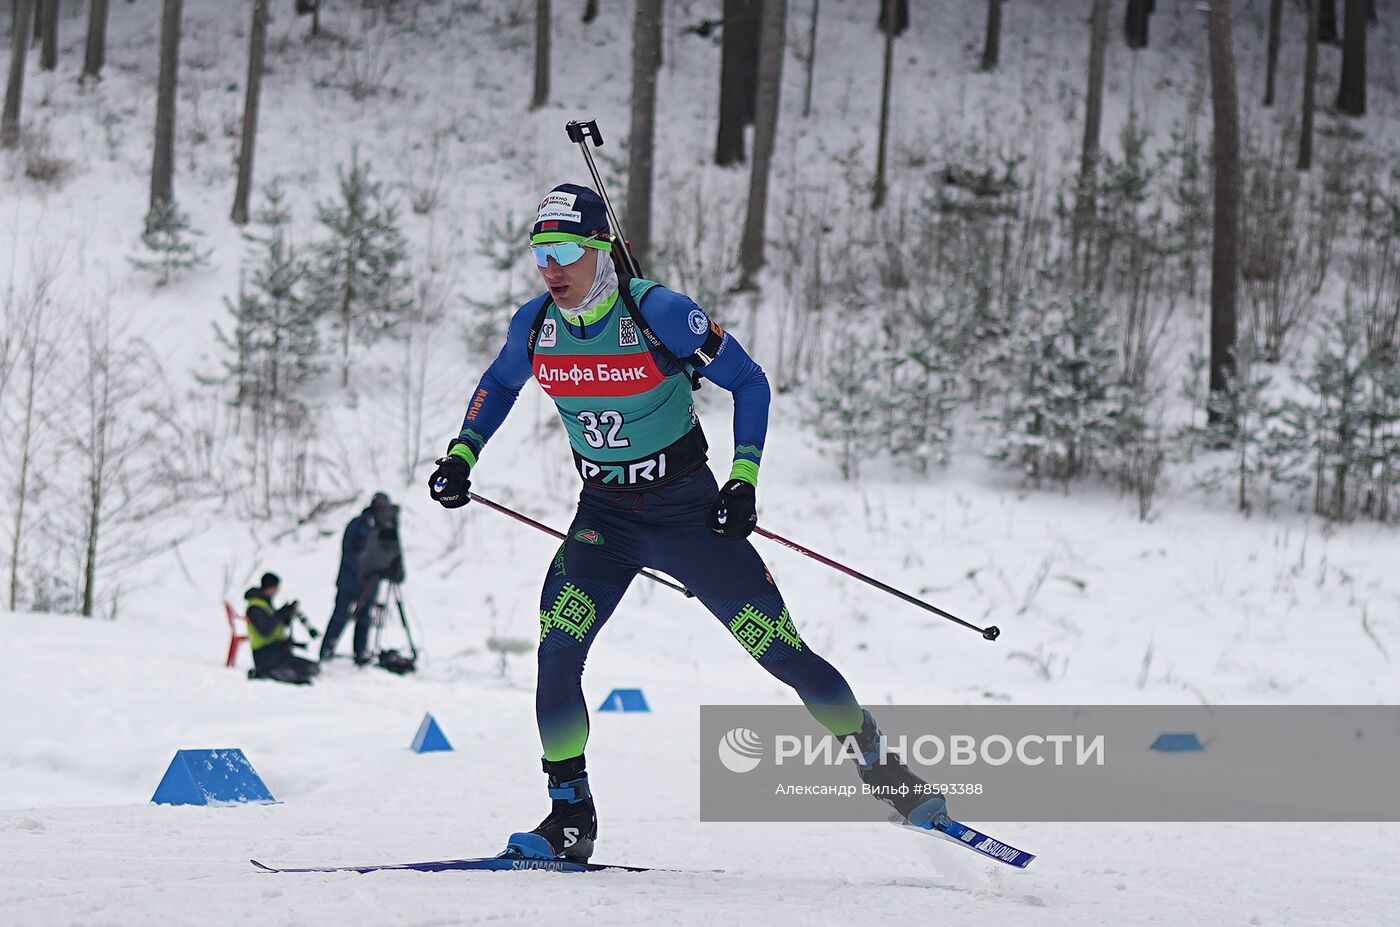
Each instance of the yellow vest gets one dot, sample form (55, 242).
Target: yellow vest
(256, 639)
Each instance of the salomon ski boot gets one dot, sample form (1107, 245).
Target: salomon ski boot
(572, 825)
(914, 800)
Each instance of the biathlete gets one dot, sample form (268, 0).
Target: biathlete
(620, 356)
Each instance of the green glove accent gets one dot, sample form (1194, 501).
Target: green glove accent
(745, 470)
(463, 450)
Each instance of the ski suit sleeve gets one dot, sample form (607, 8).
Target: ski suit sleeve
(356, 534)
(685, 328)
(499, 387)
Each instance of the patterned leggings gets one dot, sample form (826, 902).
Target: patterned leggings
(613, 536)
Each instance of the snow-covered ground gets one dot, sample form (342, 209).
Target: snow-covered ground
(95, 710)
(1199, 605)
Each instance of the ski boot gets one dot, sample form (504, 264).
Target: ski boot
(914, 801)
(572, 825)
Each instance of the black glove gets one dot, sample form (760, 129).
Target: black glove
(450, 483)
(287, 612)
(734, 513)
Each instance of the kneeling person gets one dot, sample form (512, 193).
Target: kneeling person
(270, 635)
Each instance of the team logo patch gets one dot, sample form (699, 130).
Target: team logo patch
(627, 333)
(549, 333)
(589, 536)
(698, 323)
(558, 206)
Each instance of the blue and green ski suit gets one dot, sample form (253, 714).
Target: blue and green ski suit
(639, 447)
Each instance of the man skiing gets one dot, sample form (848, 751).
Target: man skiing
(620, 358)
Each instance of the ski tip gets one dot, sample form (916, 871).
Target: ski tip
(261, 867)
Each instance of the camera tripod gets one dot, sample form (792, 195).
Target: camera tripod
(392, 660)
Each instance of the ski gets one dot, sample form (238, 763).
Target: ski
(973, 839)
(479, 864)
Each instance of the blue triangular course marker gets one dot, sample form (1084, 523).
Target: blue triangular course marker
(1176, 743)
(430, 738)
(211, 777)
(625, 700)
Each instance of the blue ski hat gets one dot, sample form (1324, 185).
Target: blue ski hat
(571, 212)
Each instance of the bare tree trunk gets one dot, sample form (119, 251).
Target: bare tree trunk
(48, 55)
(991, 51)
(25, 438)
(257, 55)
(1305, 141)
(811, 60)
(163, 162)
(347, 302)
(1327, 32)
(646, 48)
(770, 84)
(1135, 22)
(542, 23)
(882, 143)
(1093, 117)
(99, 385)
(1225, 256)
(14, 89)
(38, 354)
(738, 78)
(1093, 108)
(1351, 94)
(121, 402)
(1271, 61)
(895, 14)
(95, 54)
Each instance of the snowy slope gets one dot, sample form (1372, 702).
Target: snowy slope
(1201, 605)
(78, 844)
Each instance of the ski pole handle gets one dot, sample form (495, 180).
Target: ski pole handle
(578, 131)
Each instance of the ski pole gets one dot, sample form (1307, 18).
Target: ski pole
(991, 632)
(580, 133)
(560, 535)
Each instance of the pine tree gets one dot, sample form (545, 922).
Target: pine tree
(275, 340)
(1351, 426)
(1248, 425)
(171, 242)
(275, 357)
(1063, 398)
(923, 382)
(847, 405)
(358, 272)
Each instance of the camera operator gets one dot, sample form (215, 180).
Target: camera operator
(380, 560)
(347, 580)
(270, 635)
